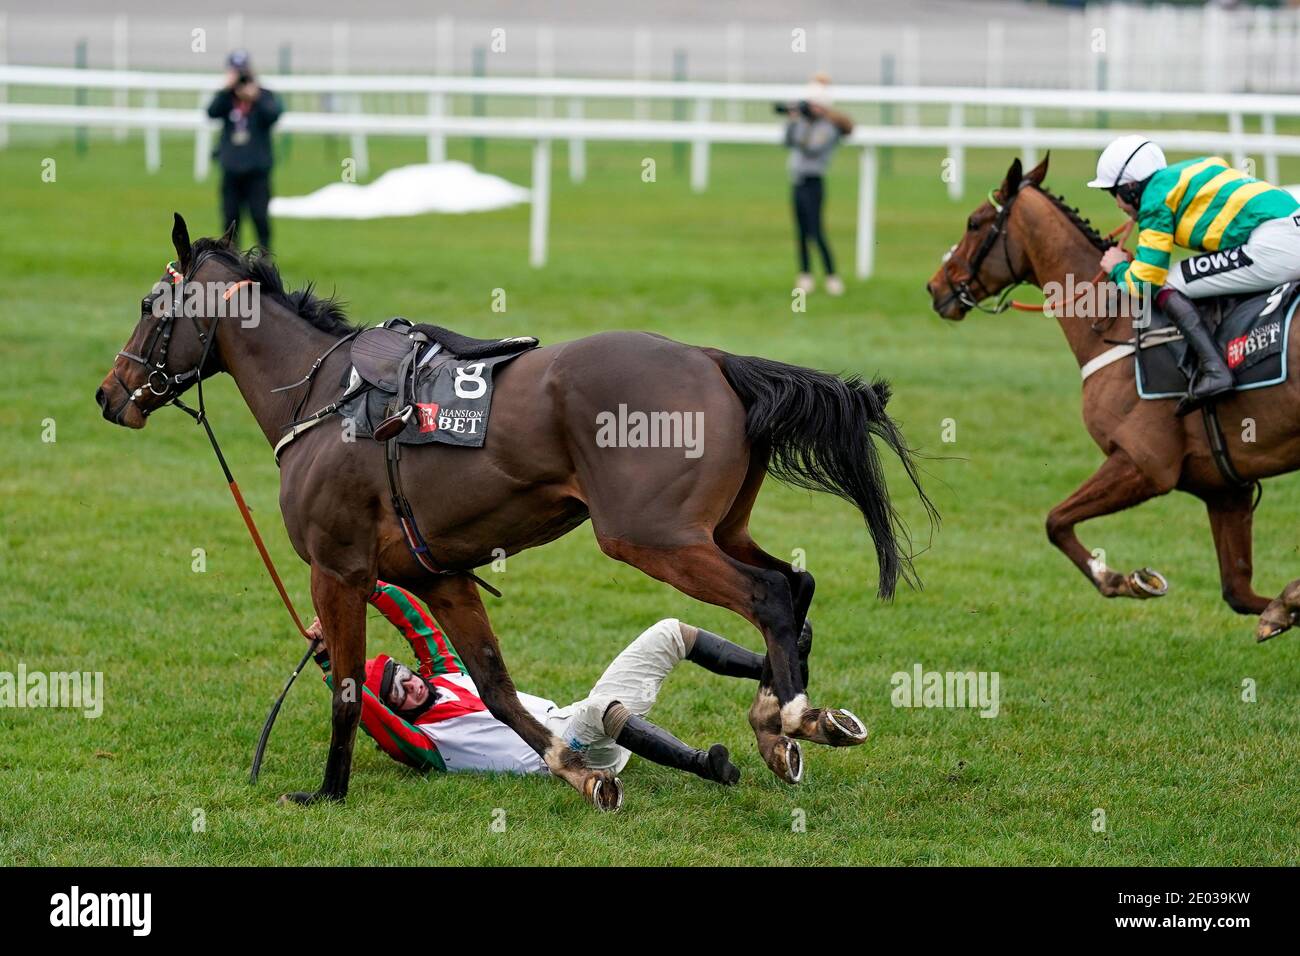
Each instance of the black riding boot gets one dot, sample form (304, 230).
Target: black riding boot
(1213, 377)
(659, 746)
(721, 656)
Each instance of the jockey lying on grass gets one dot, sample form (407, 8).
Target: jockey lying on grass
(433, 719)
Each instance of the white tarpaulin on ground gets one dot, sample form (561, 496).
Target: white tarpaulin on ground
(406, 191)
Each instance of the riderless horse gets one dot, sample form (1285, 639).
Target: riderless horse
(541, 473)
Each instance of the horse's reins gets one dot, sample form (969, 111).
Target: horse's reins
(960, 291)
(165, 386)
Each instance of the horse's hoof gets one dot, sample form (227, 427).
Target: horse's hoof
(785, 759)
(604, 791)
(1272, 622)
(1145, 583)
(842, 728)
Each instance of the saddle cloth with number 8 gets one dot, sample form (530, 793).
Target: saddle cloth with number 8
(451, 402)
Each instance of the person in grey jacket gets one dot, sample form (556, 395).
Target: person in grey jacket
(812, 132)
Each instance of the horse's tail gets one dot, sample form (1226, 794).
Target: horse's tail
(820, 430)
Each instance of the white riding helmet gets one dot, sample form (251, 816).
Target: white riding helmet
(1129, 159)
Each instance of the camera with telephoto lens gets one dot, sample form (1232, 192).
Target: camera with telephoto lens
(804, 107)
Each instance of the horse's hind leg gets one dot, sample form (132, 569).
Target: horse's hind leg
(1231, 514)
(835, 728)
(733, 537)
(1116, 485)
(455, 603)
(703, 571)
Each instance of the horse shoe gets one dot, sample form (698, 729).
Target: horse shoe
(1160, 590)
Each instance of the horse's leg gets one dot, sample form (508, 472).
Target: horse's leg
(1116, 485)
(455, 603)
(1231, 516)
(733, 537)
(342, 611)
(700, 569)
(1282, 613)
(834, 727)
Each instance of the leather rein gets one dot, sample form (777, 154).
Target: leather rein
(169, 388)
(960, 290)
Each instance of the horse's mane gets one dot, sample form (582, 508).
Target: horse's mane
(1078, 219)
(325, 314)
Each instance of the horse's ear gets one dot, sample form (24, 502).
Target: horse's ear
(232, 230)
(1014, 174)
(1039, 172)
(181, 240)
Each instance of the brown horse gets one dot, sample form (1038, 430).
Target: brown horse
(542, 472)
(1026, 234)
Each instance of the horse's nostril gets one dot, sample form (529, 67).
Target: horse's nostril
(99, 396)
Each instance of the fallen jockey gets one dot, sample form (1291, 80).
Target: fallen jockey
(1247, 230)
(434, 719)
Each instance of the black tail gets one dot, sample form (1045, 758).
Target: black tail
(820, 428)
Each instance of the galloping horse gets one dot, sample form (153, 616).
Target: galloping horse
(1026, 234)
(541, 473)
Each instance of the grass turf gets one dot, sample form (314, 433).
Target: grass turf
(1131, 708)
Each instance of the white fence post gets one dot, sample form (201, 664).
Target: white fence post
(866, 249)
(437, 143)
(641, 68)
(577, 146)
(4, 58)
(545, 68)
(1235, 130)
(339, 44)
(541, 206)
(911, 72)
(1268, 126)
(120, 63)
(202, 143)
(735, 44)
(152, 136)
(956, 153)
(994, 45)
(1028, 151)
(700, 151)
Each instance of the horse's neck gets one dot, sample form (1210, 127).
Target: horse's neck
(1063, 255)
(277, 351)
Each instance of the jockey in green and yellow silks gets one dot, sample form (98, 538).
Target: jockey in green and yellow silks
(1246, 231)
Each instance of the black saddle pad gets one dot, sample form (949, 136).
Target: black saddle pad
(463, 346)
(1250, 331)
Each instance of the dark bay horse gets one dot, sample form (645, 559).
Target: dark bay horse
(541, 473)
(1032, 236)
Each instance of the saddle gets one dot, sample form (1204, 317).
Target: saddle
(1251, 332)
(393, 357)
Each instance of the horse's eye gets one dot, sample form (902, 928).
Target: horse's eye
(971, 225)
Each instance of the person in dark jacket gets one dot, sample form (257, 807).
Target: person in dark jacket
(247, 113)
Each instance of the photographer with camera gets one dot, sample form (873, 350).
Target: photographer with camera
(812, 132)
(247, 113)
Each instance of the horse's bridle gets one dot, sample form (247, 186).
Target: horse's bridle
(166, 386)
(960, 291)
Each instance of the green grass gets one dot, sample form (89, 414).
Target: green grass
(1130, 707)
